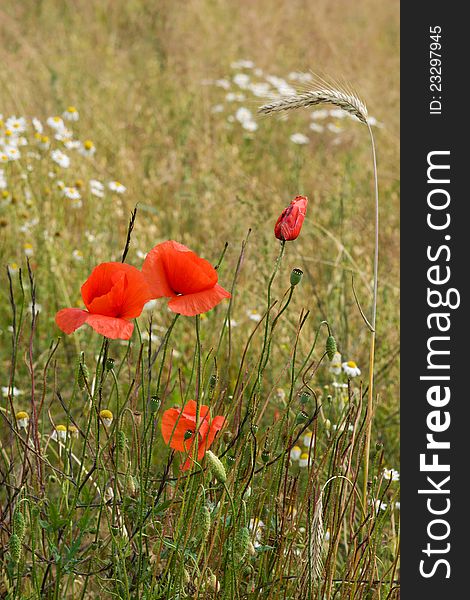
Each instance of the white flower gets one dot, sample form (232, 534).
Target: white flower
(77, 255)
(242, 80)
(3, 157)
(217, 108)
(16, 124)
(341, 386)
(223, 83)
(14, 391)
(243, 114)
(37, 125)
(351, 369)
(261, 90)
(235, 97)
(117, 187)
(65, 135)
(299, 138)
(335, 366)
(13, 268)
(87, 148)
(334, 128)
(56, 123)
(254, 316)
(70, 144)
(391, 474)
(250, 125)
(397, 505)
(44, 142)
(12, 152)
(242, 64)
(76, 203)
(305, 460)
(28, 249)
(233, 323)
(150, 305)
(295, 453)
(308, 439)
(320, 114)
(60, 158)
(59, 433)
(316, 127)
(96, 188)
(71, 114)
(72, 193)
(301, 77)
(378, 505)
(37, 308)
(256, 526)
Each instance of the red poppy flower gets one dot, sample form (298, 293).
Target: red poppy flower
(113, 294)
(174, 272)
(290, 222)
(179, 427)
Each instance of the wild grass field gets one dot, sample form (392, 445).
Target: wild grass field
(105, 490)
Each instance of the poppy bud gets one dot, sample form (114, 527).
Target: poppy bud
(121, 441)
(241, 543)
(296, 277)
(82, 372)
(216, 467)
(204, 522)
(290, 222)
(19, 524)
(14, 546)
(331, 348)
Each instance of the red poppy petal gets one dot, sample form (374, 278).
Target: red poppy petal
(154, 272)
(174, 427)
(70, 319)
(111, 327)
(137, 294)
(201, 302)
(216, 426)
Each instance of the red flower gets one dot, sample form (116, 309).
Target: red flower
(173, 271)
(290, 222)
(179, 427)
(113, 294)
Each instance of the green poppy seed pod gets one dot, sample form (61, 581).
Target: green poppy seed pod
(265, 456)
(19, 524)
(82, 373)
(296, 277)
(188, 435)
(230, 460)
(154, 404)
(304, 398)
(241, 543)
(121, 441)
(301, 418)
(204, 522)
(227, 436)
(213, 381)
(379, 446)
(331, 348)
(14, 547)
(216, 467)
(109, 365)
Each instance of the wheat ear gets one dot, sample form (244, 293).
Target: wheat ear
(348, 102)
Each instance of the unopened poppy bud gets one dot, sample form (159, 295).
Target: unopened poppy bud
(107, 417)
(204, 522)
(290, 222)
(14, 547)
(19, 524)
(241, 542)
(109, 365)
(331, 347)
(216, 467)
(301, 418)
(296, 277)
(121, 441)
(82, 372)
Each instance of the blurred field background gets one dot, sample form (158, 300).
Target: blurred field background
(140, 74)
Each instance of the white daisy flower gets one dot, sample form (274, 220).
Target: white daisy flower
(15, 392)
(96, 188)
(65, 135)
(316, 127)
(391, 474)
(305, 460)
(235, 97)
(351, 369)
(250, 125)
(22, 419)
(13, 268)
(117, 187)
(300, 77)
(378, 505)
(72, 193)
(59, 433)
(60, 158)
(256, 527)
(4, 157)
(242, 80)
(223, 83)
(242, 64)
(28, 249)
(44, 142)
(299, 138)
(87, 148)
(295, 453)
(16, 124)
(335, 365)
(243, 114)
(334, 128)
(77, 255)
(308, 439)
(12, 152)
(71, 114)
(107, 417)
(37, 125)
(217, 108)
(68, 143)
(76, 203)
(254, 316)
(233, 323)
(56, 123)
(261, 90)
